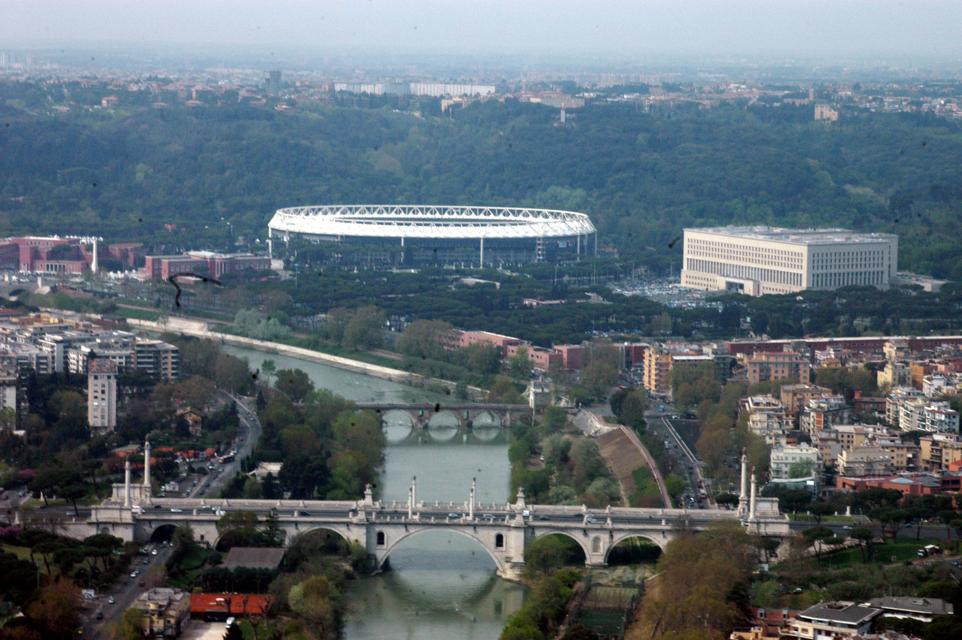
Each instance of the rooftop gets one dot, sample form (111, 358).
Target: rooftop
(846, 613)
(254, 557)
(103, 365)
(799, 236)
(932, 606)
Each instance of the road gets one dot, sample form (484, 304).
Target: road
(248, 433)
(124, 594)
(660, 425)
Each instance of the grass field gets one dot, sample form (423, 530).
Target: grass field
(807, 517)
(893, 551)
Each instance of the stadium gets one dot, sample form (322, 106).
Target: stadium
(386, 236)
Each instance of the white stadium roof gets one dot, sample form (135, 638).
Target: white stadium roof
(429, 221)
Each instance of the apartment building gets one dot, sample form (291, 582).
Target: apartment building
(823, 412)
(894, 400)
(766, 417)
(657, 371)
(778, 367)
(787, 458)
(763, 260)
(794, 397)
(864, 461)
(922, 414)
(102, 395)
(939, 450)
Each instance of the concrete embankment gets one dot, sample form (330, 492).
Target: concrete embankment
(200, 329)
(621, 448)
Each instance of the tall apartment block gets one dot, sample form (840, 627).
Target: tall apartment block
(102, 395)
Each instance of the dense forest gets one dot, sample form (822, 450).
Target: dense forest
(642, 176)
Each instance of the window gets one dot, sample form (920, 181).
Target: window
(380, 539)
(499, 541)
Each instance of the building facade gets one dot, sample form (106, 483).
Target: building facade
(771, 260)
(102, 395)
(778, 367)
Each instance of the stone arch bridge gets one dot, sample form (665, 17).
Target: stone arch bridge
(503, 530)
(421, 415)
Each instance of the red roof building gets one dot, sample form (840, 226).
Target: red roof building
(220, 606)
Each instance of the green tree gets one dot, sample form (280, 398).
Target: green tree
(294, 383)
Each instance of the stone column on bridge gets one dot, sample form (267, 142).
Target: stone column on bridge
(146, 493)
(743, 488)
(414, 491)
(127, 482)
(410, 503)
(752, 499)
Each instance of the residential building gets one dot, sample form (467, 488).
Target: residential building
(921, 414)
(657, 371)
(166, 611)
(826, 113)
(778, 367)
(903, 456)
(935, 385)
(766, 417)
(939, 450)
(823, 412)
(832, 621)
(102, 395)
(9, 384)
(894, 400)
(794, 397)
(864, 461)
(763, 260)
(788, 461)
(160, 360)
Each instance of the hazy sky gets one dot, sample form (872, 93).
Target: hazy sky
(920, 28)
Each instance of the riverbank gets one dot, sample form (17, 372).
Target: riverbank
(201, 329)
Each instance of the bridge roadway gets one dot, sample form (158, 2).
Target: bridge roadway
(466, 414)
(503, 530)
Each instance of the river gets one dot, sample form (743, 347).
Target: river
(441, 585)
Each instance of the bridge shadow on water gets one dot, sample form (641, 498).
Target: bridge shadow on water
(443, 576)
(404, 435)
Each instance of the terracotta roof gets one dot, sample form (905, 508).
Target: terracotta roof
(238, 604)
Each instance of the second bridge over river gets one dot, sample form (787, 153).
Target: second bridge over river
(464, 416)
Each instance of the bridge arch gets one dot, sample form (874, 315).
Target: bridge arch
(583, 543)
(398, 425)
(652, 538)
(329, 533)
(486, 419)
(390, 543)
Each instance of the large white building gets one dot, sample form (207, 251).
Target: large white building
(761, 260)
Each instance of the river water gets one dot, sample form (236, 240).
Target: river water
(441, 586)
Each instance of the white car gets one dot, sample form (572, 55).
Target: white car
(176, 510)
